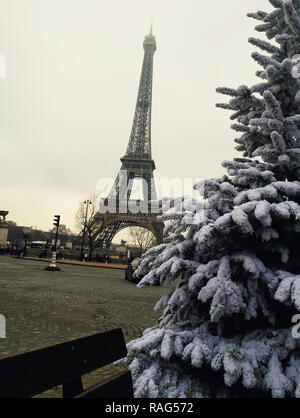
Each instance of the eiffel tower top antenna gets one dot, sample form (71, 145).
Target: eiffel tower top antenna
(151, 29)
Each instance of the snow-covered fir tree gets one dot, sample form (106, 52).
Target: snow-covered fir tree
(227, 328)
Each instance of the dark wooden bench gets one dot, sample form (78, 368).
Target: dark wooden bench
(29, 374)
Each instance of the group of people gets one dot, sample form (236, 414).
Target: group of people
(13, 250)
(20, 252)
(103, 258)
(99, 258)
(4, 250)
(44, 254)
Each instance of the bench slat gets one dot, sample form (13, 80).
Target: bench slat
(29, 374)
(119, 386)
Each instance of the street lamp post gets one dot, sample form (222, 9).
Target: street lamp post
(53, 266)
(87, 203)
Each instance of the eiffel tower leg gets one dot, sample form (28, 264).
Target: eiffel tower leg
(110, 235)
(159, 237)
(158, 229)
(104, 236)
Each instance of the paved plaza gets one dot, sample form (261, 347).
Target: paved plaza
(44, 308)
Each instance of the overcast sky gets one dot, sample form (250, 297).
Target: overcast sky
(67, 102)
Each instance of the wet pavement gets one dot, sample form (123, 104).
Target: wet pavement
(44, 308)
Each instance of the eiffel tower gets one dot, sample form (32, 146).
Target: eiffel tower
(137, 163)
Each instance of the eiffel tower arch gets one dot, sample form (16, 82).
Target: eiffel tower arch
(136, 163)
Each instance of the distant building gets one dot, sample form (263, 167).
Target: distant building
(3, 229)
(121, 249)
(3, 235)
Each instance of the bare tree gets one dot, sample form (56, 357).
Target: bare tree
(142, 238)
(92, 223)
(63, 233)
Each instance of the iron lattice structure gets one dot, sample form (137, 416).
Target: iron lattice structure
(137, 163)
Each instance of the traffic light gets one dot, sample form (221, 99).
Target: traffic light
(56, 220)
(25, 235)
